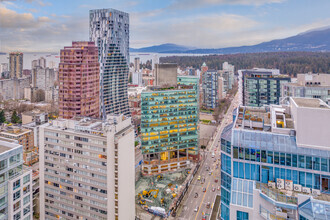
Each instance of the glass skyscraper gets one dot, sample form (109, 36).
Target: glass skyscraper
(109, 29)
(268, 171)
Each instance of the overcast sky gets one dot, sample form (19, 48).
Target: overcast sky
(49, 25)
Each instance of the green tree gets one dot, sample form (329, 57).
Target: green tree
(2, 117)
(14, 118)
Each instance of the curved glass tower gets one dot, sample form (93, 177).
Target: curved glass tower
(109, 29)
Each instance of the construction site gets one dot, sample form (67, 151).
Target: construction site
(157, 193)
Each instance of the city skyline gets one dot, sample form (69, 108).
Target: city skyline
(48, 25)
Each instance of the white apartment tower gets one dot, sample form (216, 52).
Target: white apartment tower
(15, 183)
(87, 169)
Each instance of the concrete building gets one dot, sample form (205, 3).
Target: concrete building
(41, 62)
(15, 183)
(227, 73)
(275, 162)
(137, 78)
(79, 78)
(3, 68)
(155, 60)
(13, 88)
(24, 137)
(87, 169)
(169, 127)
(166, 74)
(43, 78)
(137, 64)
(212, 89)
(51, 95)
(258, 87)
(309, 85)
(109, 29)
(34, 116)
(16, 64)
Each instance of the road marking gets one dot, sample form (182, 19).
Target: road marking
(200, 205)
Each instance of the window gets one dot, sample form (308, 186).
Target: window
(301, 162)
(288, 159)
(270, 157)
(247, 154)
(316, 163)
(17, 205)
(242, 215)
(17, 216)
(309, 162)
(235, 152)
(16, 184)
(276, 157)
(282, 158)
(17, 195)
(26, 179)
(241, 153)
(26, 200)
(263, 156)
(26, 210)
(3, 164)
(26, 189)
(294, 160)
(324, 165)
(253, 154)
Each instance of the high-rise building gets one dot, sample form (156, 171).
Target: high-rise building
(212, 89)
(15, 182)
(109, 29)
(42, 62)
(258, 87)
(309, 85)
(43, 78)
(227, 73)
(79, 79)
(16, 64)
(155, 60)
(87, 169)
(3, 68)
(169, 127)
(275, 162)
(137, 64)
(166, 74)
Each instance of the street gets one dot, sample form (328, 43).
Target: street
(195, 208)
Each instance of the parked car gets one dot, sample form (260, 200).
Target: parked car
(208, 205)
(196, 209)
(204, 189)
(213, 189)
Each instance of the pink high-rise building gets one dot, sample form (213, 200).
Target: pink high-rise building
(79, 81)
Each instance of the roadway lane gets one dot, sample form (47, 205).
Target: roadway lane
(189, 203)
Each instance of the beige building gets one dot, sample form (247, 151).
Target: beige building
(34, 116)
(16, 64)
(24, 137)
(87, 169)
(13, 88)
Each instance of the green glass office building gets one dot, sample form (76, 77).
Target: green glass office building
(169, 126)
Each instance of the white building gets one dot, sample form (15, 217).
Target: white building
(137, 79)
(155, 60)
(15, 183)
(87, 169)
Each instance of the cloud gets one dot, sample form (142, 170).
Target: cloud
(180, 4)
(12, 19)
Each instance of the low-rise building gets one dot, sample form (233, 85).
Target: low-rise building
(309, 85)
(34, 116)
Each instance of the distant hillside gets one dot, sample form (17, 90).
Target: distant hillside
(163, 48)
(314, 41)
(290, 63)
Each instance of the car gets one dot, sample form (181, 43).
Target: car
(208, 205)
(218, 188)
(213, 189)
(196, 209)
(199, 178)
(210, 173)
(204, 217)
(204, 189)
(216, 180)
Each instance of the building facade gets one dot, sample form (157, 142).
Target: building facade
(88, 169)
(79, 77)
(109, 29)
(166, 74)
(258, 87)
(13, 88)
(309, 85)
(274, 162)
(15, 183)
(211, 89)
(16, 64)
(227, 73)
(137, 78)
(169, 128)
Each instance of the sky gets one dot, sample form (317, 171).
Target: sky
(49, 25)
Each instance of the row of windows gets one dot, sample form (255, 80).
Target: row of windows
(285, 159)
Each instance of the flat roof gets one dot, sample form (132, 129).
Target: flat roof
(310, 103)
(4, 148)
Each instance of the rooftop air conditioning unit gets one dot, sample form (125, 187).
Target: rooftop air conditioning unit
(297, 187)
(280, 183)
(306, 190)
(316, 192)
(288, 185)
(271, 184)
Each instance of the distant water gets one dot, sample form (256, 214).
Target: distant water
(54, 58)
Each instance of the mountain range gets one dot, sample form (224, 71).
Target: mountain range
(314, 41)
